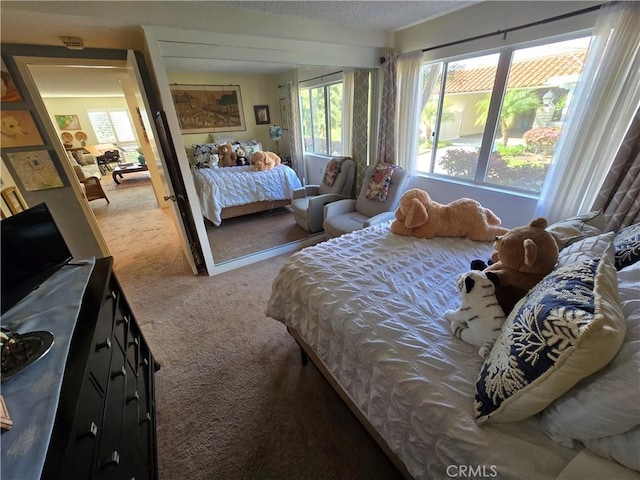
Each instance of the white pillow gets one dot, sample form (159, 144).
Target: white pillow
(575, 228)
(624, 448)
(608, 402)
(589, 247)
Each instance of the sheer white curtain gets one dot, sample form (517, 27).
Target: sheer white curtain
(347, 112)
(409, 108)
(605, 101)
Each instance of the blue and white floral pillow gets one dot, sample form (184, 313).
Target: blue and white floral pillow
(627, 246)
(567, 327)
(205, 154)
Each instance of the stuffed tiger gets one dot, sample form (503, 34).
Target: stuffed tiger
(479, 319)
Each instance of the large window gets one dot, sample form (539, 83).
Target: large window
(112, 126)
(496, 119)
(321, 109)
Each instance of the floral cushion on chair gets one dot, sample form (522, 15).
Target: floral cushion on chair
(332, 170)
(378, 188)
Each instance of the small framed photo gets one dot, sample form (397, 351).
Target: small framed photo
(262, 114)
(14, 200)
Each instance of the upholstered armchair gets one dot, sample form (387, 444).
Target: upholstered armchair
(337, 184)
(85, 165)
(369, 208)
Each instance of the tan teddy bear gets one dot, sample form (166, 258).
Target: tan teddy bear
(523, 257)
(226, 157)
(262, 161)
(420, 216)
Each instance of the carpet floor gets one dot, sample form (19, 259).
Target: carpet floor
(233, 400)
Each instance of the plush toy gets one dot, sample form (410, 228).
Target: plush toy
(419, 216)
(479, 319)
(226, 157)
(523, 256)
(241, 157)
(261, 161)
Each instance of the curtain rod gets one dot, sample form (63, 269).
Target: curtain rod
(519, 27)
(320, 76)
(513, 29)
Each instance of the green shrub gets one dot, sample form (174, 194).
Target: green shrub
(541, 139)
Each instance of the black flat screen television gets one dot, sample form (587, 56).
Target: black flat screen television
(32, 249)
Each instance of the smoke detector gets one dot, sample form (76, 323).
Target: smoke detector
(73, 43)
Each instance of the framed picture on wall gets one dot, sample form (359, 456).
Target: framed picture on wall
(35, 169)
(262, 114)
(68, 122)
(208, 108)
(9, 91)
(19, 129)
(14, 200)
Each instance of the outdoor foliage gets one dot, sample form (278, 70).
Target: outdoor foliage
(527, 175)
(516, 102)
(541, 139)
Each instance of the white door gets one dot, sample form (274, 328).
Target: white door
(158, 158)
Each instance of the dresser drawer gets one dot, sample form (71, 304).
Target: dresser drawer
(85, 432)
(110, 450)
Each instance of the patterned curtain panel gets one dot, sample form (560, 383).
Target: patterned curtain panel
(360, 125)
(386, 128)
(295, 135)
(619, 197)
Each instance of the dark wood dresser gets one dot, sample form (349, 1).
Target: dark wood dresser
(105, 423)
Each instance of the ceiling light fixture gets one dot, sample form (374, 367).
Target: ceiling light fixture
(73, 43)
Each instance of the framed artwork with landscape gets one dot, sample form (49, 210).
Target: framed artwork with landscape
(208, 108)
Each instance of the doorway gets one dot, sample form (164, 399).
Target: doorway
(135, 222)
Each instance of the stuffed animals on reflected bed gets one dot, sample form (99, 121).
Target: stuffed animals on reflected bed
(262, 161)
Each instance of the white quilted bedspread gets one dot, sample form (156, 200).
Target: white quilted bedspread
(231, 186)
(371, 305)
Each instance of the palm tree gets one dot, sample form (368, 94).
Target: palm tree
(516, 102)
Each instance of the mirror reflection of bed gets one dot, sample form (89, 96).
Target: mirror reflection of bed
(239, 231)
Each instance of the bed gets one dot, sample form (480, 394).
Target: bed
(367, 308)
(234, 191)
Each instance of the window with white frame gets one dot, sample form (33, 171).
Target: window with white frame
(321, 109)
(113, 126)
(495, 119)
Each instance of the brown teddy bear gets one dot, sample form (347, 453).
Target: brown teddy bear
(523, 257)
(226, 157)
(420, 216)
(262, 161)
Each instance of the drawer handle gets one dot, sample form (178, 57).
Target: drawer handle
(92, 432)
(124, 319)
(114, 459)
(145, 362)
(114, 295)
(135, 342)
(106, 344)
(118, 373)
(147, 418)
(133, 397)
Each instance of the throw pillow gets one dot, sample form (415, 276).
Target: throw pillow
(627, 246)
(568, 326)
(621, 448)
(585, 249)
(575, 228)
(332, 170)
(606, 403)
(79, 156)
(378, 187)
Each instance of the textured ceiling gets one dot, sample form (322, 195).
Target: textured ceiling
(383, 15)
